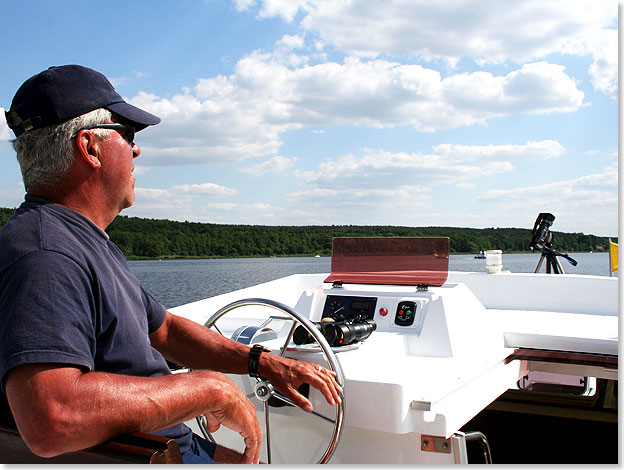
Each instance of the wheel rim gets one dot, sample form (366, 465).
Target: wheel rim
(264, 390)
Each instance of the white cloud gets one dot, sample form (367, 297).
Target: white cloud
(197, 202)
(446, 163)
(286, 9)
(362, 205)
(604, 70)
(487, 31)
(531, 151)
(243, 5)
(117, 81)
(302, 214)
(212, 123)
(535, 88)
(363, 197)
(376, 185)
(289, 42)
(153, 193)
(584, 192)
(12, 195)
(275, 165)
(5, 132)
(186, 190)
(227, 119)
(204, 189)
(589, 201)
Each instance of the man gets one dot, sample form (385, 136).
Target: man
(82, 344)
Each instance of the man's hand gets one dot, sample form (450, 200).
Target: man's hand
(238, 414)
(286, 375)
(212, 423)
(197, 347)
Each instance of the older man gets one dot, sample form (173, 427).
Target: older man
(82, 344)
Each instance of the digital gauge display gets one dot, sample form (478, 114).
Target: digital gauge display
(342, 307)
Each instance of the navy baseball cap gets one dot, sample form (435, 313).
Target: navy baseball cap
(62, 93)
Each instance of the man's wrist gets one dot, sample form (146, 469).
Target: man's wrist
(254, 360)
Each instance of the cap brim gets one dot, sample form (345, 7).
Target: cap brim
(141, 119)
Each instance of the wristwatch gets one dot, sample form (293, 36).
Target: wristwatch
(254, 360)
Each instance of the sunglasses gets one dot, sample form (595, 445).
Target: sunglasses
(129, 131)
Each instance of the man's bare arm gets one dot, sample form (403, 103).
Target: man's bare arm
(193, 345)
(60, 409)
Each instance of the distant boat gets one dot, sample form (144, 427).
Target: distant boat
(481, 255)
(317, 256)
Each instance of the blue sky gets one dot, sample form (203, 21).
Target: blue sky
(473, 113)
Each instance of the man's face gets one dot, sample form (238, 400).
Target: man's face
(117, 166)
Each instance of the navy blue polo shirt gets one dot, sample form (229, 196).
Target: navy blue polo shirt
(67, 295)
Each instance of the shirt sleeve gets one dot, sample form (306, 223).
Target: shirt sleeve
(46, 313)
(156, 313)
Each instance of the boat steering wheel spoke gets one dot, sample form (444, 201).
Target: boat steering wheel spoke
(264, 391)
(290, 402)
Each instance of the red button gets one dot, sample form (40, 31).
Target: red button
(383, 311)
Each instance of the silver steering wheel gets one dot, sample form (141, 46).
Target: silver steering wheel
(264, 391)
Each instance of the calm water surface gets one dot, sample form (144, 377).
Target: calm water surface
(177, 282)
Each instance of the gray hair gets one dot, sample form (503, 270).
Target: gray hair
(45, 155)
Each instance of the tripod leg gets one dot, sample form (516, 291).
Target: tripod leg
(539, 263)
(553, 265)
(559, 267)
(549, 265)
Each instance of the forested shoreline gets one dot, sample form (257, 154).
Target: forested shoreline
(159, 238)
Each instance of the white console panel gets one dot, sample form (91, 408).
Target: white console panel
(447, 321)
(429, 376)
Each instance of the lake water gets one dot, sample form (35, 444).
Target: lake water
(177, 282)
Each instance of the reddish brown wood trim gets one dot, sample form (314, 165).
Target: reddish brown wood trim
(564, 357)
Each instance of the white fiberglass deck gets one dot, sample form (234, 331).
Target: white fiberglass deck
(433, 377)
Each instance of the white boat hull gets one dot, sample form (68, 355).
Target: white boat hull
(409, 391)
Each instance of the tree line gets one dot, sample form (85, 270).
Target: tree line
(158, 238)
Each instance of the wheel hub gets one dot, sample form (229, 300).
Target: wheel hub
(263, 391)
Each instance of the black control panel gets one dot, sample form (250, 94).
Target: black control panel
(342, 307)
(405, 314)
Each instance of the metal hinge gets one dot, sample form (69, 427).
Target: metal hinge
(435, 444)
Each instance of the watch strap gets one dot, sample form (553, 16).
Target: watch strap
(254, 360)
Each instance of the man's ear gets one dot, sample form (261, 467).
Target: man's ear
(87, 149)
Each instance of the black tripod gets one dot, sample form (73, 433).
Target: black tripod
(553, 265)
(542, 240)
